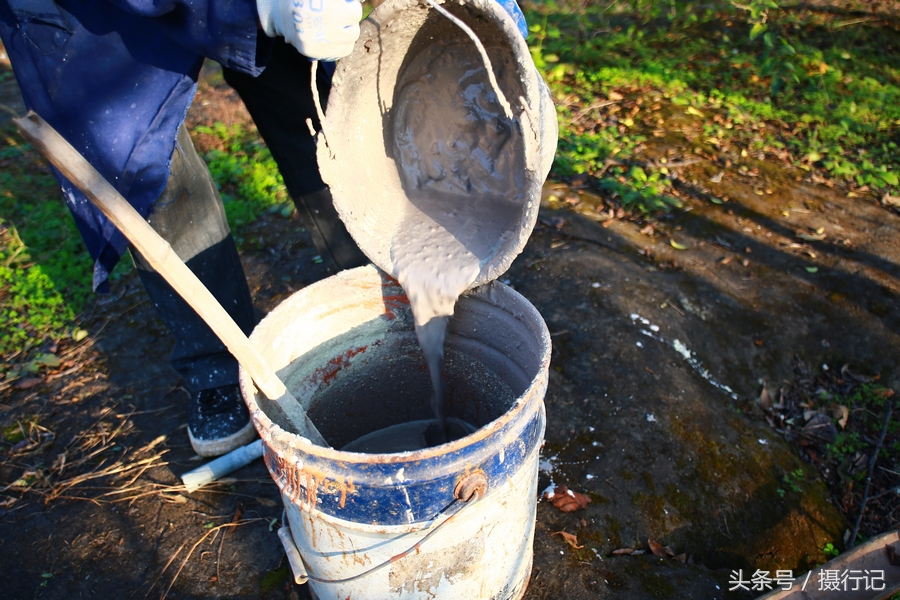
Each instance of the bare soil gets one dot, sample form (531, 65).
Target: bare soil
(659, 358)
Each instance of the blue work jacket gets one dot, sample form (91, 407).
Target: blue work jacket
(115, 78)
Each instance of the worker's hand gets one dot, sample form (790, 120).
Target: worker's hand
(319, 29)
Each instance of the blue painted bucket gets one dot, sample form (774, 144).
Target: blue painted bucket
(451, 521)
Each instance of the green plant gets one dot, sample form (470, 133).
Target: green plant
(44, 271)
(830, 551)
(245, 173)
(794, 479)
(827, 96)
(867, 404)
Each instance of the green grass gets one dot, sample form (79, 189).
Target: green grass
(835, 108)
(867, 405)
(45, 272)
(246, 171)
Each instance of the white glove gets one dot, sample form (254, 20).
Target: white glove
(319, 29)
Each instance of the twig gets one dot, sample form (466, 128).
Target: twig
(237, 517)
(856, 22)
(870, 470)
(155, 581)
(200, 541)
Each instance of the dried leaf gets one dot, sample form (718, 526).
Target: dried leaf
(841, 413)
(566, 500)
(846, 373)
(765, 400)
(820, 427)
(717, 178)
(656, 548)
(682, 558)
(889, 200)
(885, 393)
(28, 383)
(554, 221)
(615, 96)
(811, 237)
(623, 551)
(266, 502)
(570, 539)
(677, 246)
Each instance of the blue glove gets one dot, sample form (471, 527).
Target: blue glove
(516, 13)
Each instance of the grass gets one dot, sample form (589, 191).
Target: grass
(45, 273)
(244, 169)
(824, 95)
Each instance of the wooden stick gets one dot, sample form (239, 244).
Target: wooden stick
(869, 472)
(163, 259)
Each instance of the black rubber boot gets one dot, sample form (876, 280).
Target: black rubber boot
(337, 248)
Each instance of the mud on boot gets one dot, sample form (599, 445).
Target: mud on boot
(218, 421)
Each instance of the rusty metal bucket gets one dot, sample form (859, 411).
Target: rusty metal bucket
(451, 521)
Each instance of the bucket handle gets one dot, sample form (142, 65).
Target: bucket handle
(468, 491)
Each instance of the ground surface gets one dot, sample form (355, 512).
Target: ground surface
(659, 356)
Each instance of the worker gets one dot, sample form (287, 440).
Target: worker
(115, 78)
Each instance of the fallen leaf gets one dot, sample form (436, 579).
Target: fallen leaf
(677, 246)
(615, 96)
(682, 558)
(841, 413)
(811, 237)
(765, 400)
(79, 334)
(48, 360)
(579, 180)
(846, 373)
(820, 427)
(717, 178)
(566, 500)
(885, 393)
(623, 551)
(656, 548)
(693, 111)
(888, 200)
(812, 269)
(554, 221)
(570, 539)
(266, 502)
(28, 383)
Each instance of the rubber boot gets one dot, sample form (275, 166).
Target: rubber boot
(337, 248)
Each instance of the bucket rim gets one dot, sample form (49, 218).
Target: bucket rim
(533, 392)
